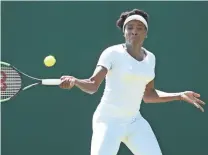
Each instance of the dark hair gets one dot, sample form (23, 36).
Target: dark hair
(124, 15)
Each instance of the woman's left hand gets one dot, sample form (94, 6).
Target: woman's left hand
(192, 97)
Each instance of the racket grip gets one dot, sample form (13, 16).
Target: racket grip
(51, 82)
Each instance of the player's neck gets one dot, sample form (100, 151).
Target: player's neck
(135, 51)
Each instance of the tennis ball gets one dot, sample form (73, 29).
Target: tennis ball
(49, 61)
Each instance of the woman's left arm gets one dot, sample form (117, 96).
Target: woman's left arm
(151, 95)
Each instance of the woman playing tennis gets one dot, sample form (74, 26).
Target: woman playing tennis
(129, 71)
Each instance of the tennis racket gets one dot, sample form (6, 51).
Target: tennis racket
(12, 82)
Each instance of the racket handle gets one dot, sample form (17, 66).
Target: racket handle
(51, 82)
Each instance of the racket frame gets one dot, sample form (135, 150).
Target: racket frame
(50, 82)
(20, 73)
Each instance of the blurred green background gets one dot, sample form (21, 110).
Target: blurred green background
(51, 121)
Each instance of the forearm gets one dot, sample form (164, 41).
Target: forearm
(157, 96)
(86, 85)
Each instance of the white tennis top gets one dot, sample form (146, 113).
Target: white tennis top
(125, 81)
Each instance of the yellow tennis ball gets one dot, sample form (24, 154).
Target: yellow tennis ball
(49, 61)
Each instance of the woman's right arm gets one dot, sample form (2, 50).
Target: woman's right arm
(90, 85)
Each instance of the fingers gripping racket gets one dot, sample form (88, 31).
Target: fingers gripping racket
(12, 81)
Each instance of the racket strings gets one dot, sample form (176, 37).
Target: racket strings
(10, 82)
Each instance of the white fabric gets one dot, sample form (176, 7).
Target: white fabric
(125, 83)
(119, 107)
(135, 17)
(137, 135)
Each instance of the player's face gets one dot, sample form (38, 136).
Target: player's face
(135, 32)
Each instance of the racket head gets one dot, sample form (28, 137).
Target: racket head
(11, 81)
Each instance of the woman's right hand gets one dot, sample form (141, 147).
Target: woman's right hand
(67, 82)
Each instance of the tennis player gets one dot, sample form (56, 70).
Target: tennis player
(129, 70)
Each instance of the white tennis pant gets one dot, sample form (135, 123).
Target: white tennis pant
(136, 135)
